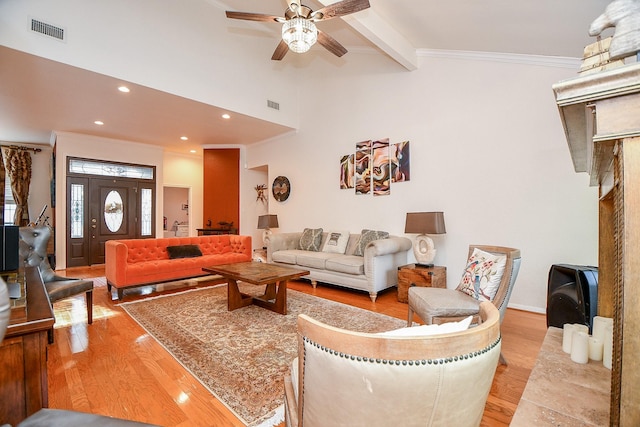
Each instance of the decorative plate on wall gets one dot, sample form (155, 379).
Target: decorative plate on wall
(281, 188)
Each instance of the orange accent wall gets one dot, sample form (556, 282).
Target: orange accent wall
(221, 186)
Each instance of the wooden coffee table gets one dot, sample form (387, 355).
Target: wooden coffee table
(275, 278)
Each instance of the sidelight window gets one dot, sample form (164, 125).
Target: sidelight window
(77, 211)
(146, 211)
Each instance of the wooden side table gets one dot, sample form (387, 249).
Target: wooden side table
(410, 275)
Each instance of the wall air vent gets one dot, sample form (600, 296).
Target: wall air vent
(273, 104)
(47, 29)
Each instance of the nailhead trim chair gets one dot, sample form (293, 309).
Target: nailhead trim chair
(346, 378)
(5, 308)
(436, 305)
(33, 252)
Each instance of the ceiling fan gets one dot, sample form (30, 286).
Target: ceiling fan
(299, 31)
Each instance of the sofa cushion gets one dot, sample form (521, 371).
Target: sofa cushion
(313, 259)
(184, 251)
(311, 239)
(348, 264)
(489, 269)
(289, 256)
(336, 242)
(366, 237)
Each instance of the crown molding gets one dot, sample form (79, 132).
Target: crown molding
(539, 60)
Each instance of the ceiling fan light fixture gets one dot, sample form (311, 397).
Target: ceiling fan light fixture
(299, 34)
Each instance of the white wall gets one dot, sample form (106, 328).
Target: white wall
(487, 148)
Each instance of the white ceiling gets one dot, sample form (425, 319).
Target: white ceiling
(400, 29)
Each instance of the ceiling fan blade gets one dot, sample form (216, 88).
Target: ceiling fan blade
(339, 9)
(280, 52)
(293, 4)
(331, 44)
(248, 16)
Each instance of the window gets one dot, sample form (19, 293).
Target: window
(9, 203)
(95, 167)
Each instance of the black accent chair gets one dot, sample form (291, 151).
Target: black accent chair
(33, 252)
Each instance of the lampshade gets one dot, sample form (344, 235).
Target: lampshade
(425, 223)
(267, 221)
(299, 34)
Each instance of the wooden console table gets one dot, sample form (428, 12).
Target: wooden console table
(23, 354)
(216, 231)
(561, 392)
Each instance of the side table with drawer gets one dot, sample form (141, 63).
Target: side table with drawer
(411, 275)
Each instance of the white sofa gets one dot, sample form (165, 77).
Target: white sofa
(375, 271)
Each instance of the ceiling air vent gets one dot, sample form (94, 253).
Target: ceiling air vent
(273, 104)
(47, 29)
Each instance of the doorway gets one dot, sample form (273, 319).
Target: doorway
(175, 211)
(101, 208)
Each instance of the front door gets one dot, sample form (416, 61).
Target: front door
(106, 200)
(100, 209)
(113, 213)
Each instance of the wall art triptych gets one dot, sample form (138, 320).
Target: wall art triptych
(374, 166)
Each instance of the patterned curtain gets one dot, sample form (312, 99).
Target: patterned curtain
(18, 165)
(2, 174)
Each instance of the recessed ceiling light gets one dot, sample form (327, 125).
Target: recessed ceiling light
(124, 89)
(192, 151)
(184, 138)
(98, 122)
(226, 116)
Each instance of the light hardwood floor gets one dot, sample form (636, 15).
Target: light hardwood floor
(113, 367)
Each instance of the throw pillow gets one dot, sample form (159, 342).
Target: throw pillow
(489, 268)
(366, 237)
(311, 239)
(184, 251)
(336, 242)
(427, 330)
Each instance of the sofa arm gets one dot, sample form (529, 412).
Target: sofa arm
(391, 245)
(282, 242)
(115, 254)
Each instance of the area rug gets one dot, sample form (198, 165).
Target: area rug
(242, 356)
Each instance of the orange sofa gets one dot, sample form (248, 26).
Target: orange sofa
(138, 262)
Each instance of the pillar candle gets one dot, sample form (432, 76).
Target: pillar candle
(567, 332)
(595, 348)
(578, 327)
(607, 353)
(599, 325)
(580, 347)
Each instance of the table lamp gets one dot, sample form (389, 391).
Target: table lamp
(423, 223)
(266, 223)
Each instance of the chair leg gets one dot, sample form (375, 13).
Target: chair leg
(503, 360)
(89, 299)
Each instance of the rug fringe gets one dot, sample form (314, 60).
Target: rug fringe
(277, 418)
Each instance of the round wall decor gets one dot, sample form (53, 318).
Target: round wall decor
(281, 188)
